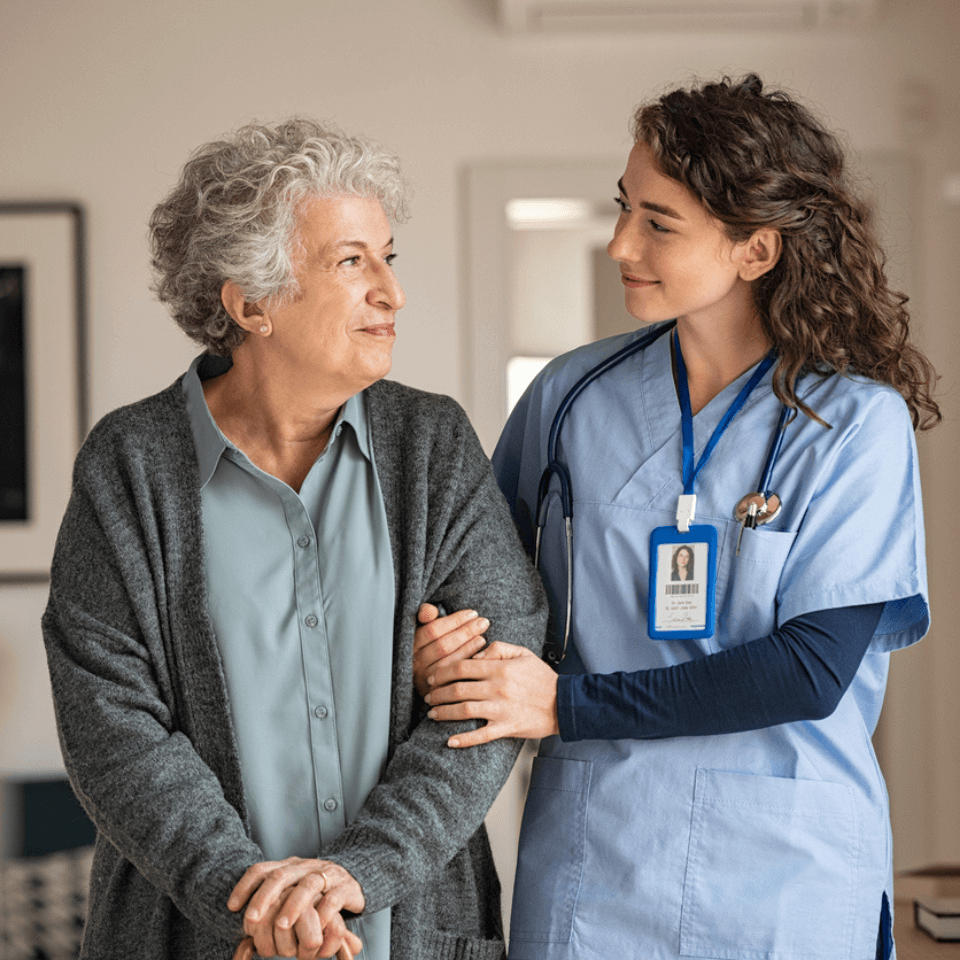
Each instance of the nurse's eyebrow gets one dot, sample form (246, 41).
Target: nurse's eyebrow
(654, 207)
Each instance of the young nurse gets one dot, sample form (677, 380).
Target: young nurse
(706, 785)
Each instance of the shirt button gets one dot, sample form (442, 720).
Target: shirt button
(330, 805)
(319, 712)
(303, 542)
(311, 621)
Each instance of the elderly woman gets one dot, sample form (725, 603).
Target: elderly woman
(231, 618)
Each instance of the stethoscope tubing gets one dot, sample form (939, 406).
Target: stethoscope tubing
(774, 452)
(559, 470)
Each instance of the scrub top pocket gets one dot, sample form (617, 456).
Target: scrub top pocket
(552, 843)
(771, 869)
(748, 584)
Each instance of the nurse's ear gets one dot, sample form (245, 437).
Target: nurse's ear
(759, 253)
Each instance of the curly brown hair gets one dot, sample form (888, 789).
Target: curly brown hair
(756, 158)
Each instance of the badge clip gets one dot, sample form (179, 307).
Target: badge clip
(686, 511)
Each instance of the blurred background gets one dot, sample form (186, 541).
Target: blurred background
(511, 119)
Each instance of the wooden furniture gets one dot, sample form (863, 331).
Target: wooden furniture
(913, 943)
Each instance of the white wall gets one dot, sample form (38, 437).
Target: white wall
(102, 101)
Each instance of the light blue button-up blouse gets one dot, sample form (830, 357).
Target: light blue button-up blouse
(302, 600)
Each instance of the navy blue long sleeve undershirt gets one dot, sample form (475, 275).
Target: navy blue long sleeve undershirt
(798, 672)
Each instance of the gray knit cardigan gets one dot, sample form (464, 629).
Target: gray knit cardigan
(142, 707)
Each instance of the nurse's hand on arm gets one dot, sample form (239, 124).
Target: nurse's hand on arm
(441, 641)
(504, 684)
(293, 908)
(799, 672)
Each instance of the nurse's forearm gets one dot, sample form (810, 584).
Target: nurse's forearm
(799, 672)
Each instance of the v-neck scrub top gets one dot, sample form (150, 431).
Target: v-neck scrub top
(771, 843)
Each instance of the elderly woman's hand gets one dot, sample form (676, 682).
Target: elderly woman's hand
(247, 950)
(293, 909)
(441, 641)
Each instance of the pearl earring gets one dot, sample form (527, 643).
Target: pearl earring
(264, 328)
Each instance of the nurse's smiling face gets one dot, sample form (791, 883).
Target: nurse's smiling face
(675, 258)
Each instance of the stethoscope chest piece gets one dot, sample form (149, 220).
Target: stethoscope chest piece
(754, 510)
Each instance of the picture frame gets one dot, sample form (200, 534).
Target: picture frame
(43, 377)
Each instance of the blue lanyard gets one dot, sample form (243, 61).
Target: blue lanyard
(686, 415)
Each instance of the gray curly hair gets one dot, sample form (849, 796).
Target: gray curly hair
(233, 215)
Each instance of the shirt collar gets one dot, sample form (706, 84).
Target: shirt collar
(207, 438)
(210, 441)
(354, 412)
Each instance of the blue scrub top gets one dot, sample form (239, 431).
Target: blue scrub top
(772, 843)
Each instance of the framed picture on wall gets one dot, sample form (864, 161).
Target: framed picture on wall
(43, 412)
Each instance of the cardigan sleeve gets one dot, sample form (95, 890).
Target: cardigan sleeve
(432, 799)
(134, 769)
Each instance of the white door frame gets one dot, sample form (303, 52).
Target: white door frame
(487, 267)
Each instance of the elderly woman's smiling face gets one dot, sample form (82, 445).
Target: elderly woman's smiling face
(340, 326)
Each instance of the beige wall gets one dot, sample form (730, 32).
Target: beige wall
(102, 101)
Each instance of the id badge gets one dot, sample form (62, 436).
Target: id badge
(683, 583)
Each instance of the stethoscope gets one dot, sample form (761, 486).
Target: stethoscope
(752, 510)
